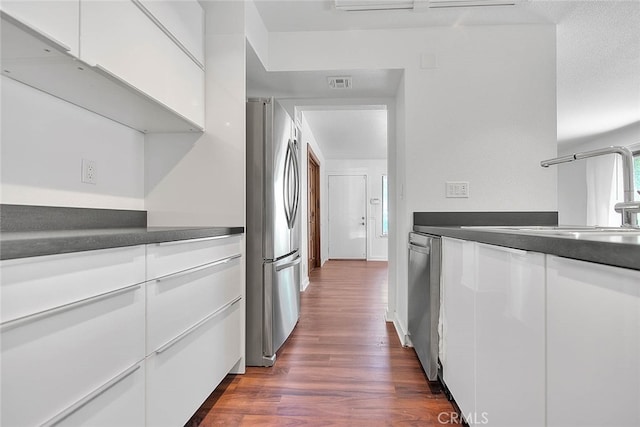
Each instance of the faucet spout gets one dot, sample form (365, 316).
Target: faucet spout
(629, 218)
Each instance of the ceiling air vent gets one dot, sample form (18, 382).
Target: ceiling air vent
(367, 5)
(438, 4)
(339, 82)
(362, 5)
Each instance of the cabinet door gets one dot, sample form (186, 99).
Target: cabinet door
(57, 20)
(510, 337)
(593, 344)
(182, 375)
(184, 20)
(458, 351)
(120, 38)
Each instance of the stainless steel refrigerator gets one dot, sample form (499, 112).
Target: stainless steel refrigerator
(272, 231)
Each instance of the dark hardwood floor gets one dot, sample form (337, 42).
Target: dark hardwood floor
(342, 366)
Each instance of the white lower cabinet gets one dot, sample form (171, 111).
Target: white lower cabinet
(493, 329)
(202, 290)
(458, 353)
(118, 402)
(510, 337)
(195, 323)
(182, 374)
(167, 258)
(52, 357)
(85, 341)
(593, 344)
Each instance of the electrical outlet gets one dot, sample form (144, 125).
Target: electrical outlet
(88, 171)
(457, 189)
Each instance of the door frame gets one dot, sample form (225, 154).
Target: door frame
(313, 246)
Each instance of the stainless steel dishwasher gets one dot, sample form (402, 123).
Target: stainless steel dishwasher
(424, 299)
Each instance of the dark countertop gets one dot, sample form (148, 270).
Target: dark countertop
(618, 250)
(24, 244)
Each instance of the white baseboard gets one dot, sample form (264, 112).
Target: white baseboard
(402, 334)
(305, 284)
(238, 368)
(377, 259)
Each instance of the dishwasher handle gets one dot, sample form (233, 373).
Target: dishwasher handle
(422, 249)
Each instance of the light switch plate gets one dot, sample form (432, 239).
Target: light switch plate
(457, 189)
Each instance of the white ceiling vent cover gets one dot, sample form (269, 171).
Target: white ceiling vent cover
(339, 82)
(436, 4)
(365, 5)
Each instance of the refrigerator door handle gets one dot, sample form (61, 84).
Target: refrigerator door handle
(289, 264)
(286, 181)
(296, 197)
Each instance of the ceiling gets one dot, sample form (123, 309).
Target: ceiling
(350, 133)
(598, 61)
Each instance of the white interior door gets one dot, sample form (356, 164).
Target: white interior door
(347, 217)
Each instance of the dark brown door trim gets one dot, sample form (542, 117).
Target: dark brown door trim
(313, 216)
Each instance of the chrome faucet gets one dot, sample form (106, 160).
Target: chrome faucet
(629, 208)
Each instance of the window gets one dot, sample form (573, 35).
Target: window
(385, 206)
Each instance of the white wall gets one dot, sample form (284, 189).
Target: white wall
(572, 177)
(373, 170)
(485, 114)
(256, 32)
(396, 139)
(199, 179)
(44, 140)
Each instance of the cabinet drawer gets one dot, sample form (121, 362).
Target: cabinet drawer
(181, 377)
(53, 360)
(120, 38)
(183, 19)
(119, 402)
(170, 257)
(178, 301)
(30, 285)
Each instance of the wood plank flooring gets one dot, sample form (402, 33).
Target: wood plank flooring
(342, 366)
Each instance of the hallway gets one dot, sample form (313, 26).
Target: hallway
(342, 366)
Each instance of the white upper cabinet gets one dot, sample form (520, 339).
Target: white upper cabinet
(119, 38)
(184, 22)
(57, 20)
(140, 66)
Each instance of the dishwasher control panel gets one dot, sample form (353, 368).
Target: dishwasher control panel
(419, 239)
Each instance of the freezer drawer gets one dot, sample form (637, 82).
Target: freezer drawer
(281, 302)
